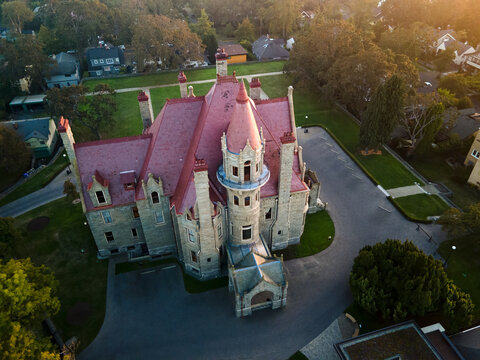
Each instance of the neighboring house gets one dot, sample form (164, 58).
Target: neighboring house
(236, 52)
(404, 341)
(445, 39)
(65, 72)
(473, 59)
(472, 159)
(105, 60)
(265, 48)
(26, 105)
(39, 135)
(215, 180)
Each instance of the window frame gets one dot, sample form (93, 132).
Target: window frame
(269, 214)
(235, 171)
(155, 214)
(107, 217)
(109, 234)
(191, 236)
(476, 153)
(98, 198)
(193, 256)
(236, 200)
(247, 201)
(156, 198)
(134, 232)
(135, 213)
(248, 228)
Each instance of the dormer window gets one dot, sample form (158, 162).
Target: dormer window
(100, 197)
(155, 198)
(128, 179)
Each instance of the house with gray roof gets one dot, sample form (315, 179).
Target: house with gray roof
(64, 72)
(40, 135)
(105, 60)
(266, 48)
(445, 39)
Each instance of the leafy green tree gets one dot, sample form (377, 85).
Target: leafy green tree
(204, 28)
(65, 101)
(458, 223)
(14, 155)
(245, 31)
(405, 12)
(397, 280)
(48, 38)
(15, 14)
(431, 130)
(444, 58)
(97, 111)
(229, 30)
(27, 296)
(383, 113)
(456, 83)
(281, 16)
(9, 235)
(70, 190)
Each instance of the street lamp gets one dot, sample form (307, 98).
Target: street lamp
(68, 165)
(451, 252)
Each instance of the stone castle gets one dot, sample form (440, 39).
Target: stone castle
(213, 180)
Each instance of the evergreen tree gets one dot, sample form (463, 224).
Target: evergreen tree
(245, 31)
(382, 114)
(204, 28)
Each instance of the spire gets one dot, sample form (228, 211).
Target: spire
(243, 127)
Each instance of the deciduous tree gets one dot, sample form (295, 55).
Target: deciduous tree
(14, 156)
(16, 13)
(204, 28)
(245, 31)
(281, 16)
(458, 223)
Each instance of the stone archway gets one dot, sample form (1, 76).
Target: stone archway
(262, 298)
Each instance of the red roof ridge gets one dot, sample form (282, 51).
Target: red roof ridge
(184, 100)
(269, 101)
(226, 79)
(112, 141)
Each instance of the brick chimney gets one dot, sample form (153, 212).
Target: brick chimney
(182, 80)
(221, 62)
(146, 111)
(255, 89)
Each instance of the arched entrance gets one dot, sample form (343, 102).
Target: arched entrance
(262, 300)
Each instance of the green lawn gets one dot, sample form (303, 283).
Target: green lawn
(170, 77)
(420, 206)
(464, 266)
(311, 108)
(436, 169)
(82, 278)
(191, 285)
(315, 238)
(37, 181)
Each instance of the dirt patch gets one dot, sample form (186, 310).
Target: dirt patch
(79, 313)
(38, 223)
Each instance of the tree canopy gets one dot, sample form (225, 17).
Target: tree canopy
(398, 280)
(456, 222)
(14, 155)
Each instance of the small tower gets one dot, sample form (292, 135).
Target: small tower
(255, 88)
(182, 80)
(243, 172)
(145, 110)
(221, 62)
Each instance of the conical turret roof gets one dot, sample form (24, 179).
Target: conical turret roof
(243, 127)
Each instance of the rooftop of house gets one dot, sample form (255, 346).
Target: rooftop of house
(404, 341)
(233, 49)
(32, 128)
(65, 64)
(268, 48)
(184, 131)
(104, 52)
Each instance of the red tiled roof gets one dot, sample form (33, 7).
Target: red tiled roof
(242, 127)
(186, 130)
(234, 49)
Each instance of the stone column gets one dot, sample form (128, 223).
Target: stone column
(255, 89)
(221, 62)
(145, 110)
(182, 80)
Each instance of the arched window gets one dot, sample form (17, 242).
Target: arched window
(155, 198)
(235, 200)
(246, 171)
(247, 201)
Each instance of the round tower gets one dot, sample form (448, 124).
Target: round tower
(243, 172)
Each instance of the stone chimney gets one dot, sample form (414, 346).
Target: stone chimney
(146, 111)
(255, 89)
(221, 62)
(182, 80)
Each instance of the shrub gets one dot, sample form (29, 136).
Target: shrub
(464, 103)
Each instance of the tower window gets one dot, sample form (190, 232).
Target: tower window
(194, 256)
(268, 214)
(235, 200)
(246, 171)
(159, 217)
(246, 232)
(256, 167)
(100, 197)
(191, 235)
(109, 236)
(235, 171)
(247, 201)
(134, 232)
(135, 213)
(107, 218)
(155, 198)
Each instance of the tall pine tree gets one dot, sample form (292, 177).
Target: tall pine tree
(382, 114)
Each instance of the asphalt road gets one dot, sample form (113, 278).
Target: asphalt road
(53, 191)
(150, 316)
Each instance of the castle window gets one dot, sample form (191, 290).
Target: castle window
(134, 232)
(107, 218)
(246, 171)
(235, 200)
(268, 214)
(191, 235)
(235, 171)
(155, 198)
(247, 201)
(475, 154)
(194, 256)
(100, 197)
(219, 230)
(109, 236)
(159, 217)
(256, 167)
(135, 213)
(246, 232)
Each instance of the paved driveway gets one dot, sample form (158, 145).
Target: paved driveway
(150, 316)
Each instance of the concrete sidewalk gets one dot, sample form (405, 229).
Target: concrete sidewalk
(51, 192)
(413, 190)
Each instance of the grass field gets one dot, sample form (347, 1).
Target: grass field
(170, 77)
(82, 278)
(38, 181)
(317, 236)
(422, 205)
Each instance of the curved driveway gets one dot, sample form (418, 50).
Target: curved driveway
(150, 316)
